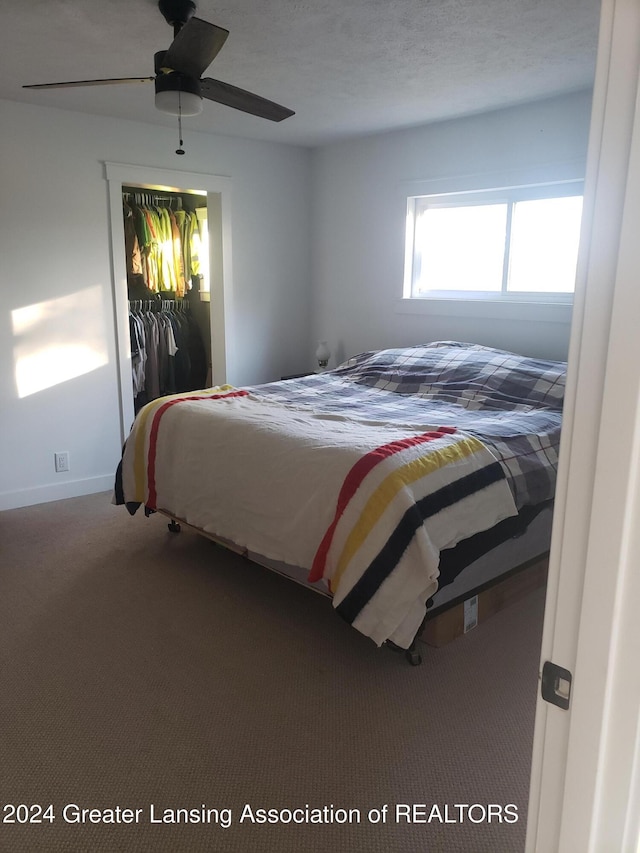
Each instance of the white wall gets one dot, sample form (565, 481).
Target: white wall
(54, 246)
(360, 188)
(318, 249)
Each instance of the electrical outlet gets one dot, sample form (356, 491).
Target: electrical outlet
(61, 461)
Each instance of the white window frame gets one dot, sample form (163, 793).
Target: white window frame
(505, 194)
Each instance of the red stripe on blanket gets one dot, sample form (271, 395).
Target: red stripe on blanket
(153, 437)
(353, 480)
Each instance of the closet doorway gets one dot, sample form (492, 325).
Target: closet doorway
(211, 304)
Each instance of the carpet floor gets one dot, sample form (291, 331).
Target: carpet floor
(158, 693)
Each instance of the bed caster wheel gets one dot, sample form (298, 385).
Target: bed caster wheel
(173, 527)
(414, 657)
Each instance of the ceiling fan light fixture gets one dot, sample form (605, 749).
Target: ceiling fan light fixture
(178, 103)
(178, 94)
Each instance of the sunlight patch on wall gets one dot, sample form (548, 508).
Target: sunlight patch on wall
(58, 340)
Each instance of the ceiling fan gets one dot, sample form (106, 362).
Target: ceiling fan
(178, 82)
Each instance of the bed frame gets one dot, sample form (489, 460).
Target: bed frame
(499, 576)
(460, 615)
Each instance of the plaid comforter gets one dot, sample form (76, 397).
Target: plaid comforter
(510, 402)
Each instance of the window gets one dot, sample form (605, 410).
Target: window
(513, 244)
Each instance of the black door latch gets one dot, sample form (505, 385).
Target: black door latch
(556, 685)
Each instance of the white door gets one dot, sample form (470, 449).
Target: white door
(585, 783)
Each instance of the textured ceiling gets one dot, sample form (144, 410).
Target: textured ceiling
(347, 67)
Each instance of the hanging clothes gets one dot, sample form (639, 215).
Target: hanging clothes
(131, 242)
(160, 243)
(178, 255)
(167, 351)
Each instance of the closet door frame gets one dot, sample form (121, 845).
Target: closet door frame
(218, 190)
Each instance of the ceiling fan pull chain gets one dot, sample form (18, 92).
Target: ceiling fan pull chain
(180, 150)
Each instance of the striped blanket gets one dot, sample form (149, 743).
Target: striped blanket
(136, 474)
(365, 505)
(399, 506)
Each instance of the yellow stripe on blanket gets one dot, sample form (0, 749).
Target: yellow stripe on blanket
(389, 488)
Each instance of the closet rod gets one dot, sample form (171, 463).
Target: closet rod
(151, 198)
(159, 304)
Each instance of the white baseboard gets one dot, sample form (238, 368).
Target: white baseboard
(55, 492)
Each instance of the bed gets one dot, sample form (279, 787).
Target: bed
(392, 483)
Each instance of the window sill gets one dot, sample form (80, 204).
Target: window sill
(495, 309)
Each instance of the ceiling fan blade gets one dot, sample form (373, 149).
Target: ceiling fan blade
(239, 99)
(69, 84)
(195, 47)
